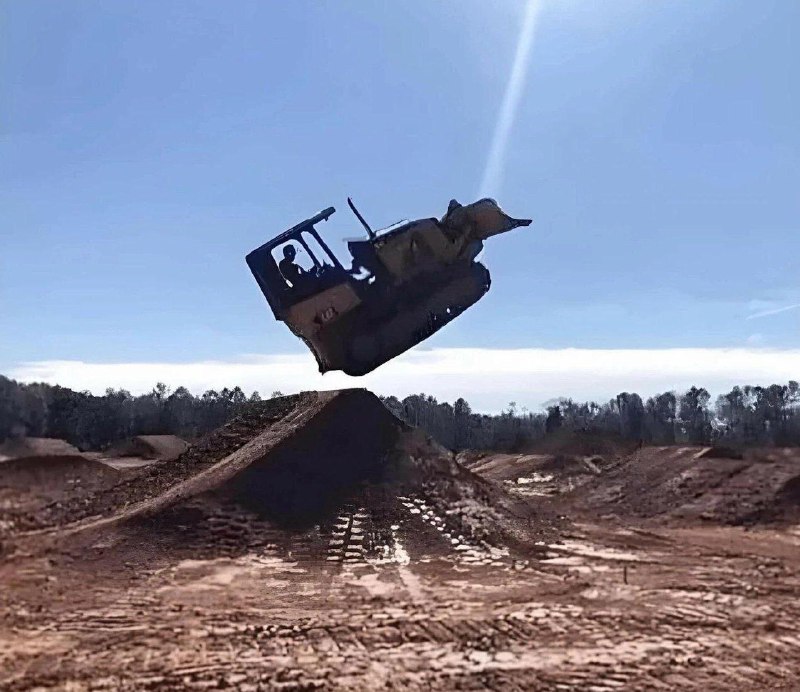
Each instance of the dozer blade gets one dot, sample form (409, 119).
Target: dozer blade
(489, 219)
(480, 220)
(516, 223)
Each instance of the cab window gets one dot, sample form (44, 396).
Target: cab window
(319, 252)
(301, 258)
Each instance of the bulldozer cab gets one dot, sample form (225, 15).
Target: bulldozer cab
(403, 285)
(295, 265)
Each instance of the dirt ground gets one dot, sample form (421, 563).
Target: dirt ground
(711, 608)
(416, 575)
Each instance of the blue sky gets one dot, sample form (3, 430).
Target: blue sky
(147, 147)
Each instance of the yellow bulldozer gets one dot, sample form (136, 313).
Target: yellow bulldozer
(405, 282)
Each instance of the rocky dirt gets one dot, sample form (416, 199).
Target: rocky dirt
(319, 543)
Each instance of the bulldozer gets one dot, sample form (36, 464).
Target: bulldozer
(405, 282)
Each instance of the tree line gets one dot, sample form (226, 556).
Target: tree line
(93, 422)
(745, 416)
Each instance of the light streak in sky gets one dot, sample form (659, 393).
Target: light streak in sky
(495, 163)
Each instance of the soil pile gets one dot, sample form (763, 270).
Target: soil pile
(534, 476)
(582, 443)
(512, 467)
(31, 485)
(303, 466)
(555, 465)
(157, 447)
(329, 497)
(697, 483)
(502, 467)
(16, 447)
(55, 472)
(153, 481)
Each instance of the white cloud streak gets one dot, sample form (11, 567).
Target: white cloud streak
(773, 311)
(493, 172)
(487, 378)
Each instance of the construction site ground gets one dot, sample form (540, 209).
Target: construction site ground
(430, 577)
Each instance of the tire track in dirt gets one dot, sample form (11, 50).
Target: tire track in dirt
(563, 646)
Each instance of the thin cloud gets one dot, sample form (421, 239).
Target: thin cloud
(487, 378)
(773, 311)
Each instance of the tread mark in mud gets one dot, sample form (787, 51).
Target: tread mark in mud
(346, 544)
(468, 551)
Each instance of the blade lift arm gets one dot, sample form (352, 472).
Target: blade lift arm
(366, 226)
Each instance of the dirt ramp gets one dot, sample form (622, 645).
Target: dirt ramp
(697, 483)
(55, 473)
(289, 457)
(382, 493)
(512, 467)
(153, 481)
(18, 447)
(29, 485)
(156, 447)
(297, 478)
(582, 443)
(333, 476)
(536, 476)
(340, 449)
(324, 477)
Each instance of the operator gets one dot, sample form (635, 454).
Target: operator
(292, 272)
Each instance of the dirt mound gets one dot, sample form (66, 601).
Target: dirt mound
(501, 467)
(562, 443)
(295, 462)
(538, 475)
(158, 447)
(696, 483)
(153, 481)
(470, 457)
(574, 465)
(722, 452)
(334, 471)
(30, 485)
(16, 447)
(369, 501)
(508, 467)
(582, 443)
(54, 472)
